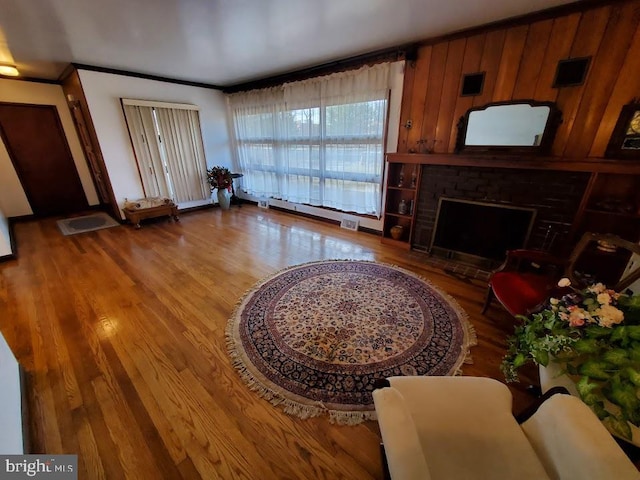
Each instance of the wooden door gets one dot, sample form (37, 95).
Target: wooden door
(38, 148)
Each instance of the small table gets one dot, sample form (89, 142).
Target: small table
(134, 215)
(235, 200)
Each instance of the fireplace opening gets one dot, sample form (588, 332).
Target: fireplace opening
(479, 233)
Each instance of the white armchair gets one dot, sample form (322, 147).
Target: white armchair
(462, 428)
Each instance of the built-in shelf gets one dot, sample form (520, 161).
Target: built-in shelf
(397, 195)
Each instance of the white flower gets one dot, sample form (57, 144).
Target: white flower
(554, 301)
(604, 298)
(564, 282)
(597, 288)
(608, 316)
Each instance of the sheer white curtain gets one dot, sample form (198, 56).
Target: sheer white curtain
(168, 147)
(319, 141)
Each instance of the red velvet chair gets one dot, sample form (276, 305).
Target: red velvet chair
(524, 281)
(527, 278)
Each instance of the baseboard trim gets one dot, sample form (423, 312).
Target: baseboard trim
(362, 229)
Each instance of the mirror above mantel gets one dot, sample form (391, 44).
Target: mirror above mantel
(515, 127)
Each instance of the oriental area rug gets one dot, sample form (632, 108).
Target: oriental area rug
(315, 337)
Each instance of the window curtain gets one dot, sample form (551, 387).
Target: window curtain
(169, 151)
(318, 142)
(150, 165)
(180, 137)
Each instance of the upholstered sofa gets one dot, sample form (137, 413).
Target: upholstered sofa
(463, 428)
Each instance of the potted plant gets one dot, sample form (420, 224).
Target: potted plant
(593, 336)
(220, 178)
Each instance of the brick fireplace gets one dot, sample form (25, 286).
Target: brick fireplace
(556, 196)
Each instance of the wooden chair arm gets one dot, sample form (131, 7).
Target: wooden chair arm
(536, 256)
(516, 257)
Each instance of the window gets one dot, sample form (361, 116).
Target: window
(319, 142)
(168, 147)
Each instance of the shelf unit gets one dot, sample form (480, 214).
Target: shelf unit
(611, 204)
(403, 183)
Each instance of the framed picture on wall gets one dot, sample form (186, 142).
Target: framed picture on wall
(625, 139)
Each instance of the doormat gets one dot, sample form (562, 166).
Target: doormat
(315, 337)
(88, 223)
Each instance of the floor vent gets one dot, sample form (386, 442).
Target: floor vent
(263, 203)
(350, 224)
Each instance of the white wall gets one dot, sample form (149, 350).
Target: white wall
(13, 200)
(10, 403)
(103, 92)
(5, 238)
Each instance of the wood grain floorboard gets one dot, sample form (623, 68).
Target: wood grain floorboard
(121, 332)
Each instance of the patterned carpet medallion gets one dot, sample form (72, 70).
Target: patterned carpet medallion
(314, 337)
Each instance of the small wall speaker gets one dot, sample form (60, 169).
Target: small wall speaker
(472, 84)
(571, 72)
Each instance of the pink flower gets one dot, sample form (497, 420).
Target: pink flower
(575, 321)
(578, 316)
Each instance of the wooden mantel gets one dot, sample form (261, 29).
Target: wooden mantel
(593, 165)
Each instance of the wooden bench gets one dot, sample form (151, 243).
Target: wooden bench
(135, 215)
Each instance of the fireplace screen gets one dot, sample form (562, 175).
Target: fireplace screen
(479, 230)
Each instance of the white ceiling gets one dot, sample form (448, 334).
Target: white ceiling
(223, 42)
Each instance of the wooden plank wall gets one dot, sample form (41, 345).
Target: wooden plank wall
(520, 63)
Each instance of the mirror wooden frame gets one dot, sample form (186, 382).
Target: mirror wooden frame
(551, 127)
(619, 134)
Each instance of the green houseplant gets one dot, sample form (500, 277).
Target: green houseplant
(594, 336)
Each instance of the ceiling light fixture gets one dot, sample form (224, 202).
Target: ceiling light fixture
(8, 70)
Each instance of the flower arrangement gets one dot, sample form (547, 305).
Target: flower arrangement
(219, 177)
(594, 336)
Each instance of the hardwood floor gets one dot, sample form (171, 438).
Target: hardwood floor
(121, 332)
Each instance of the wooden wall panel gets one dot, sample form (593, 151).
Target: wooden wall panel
(417, 106)
(470, 64)
(520, 61)
(490, 64)
(434, 91)
(407, 97)
(559, 46)
(626, 88)
(510, 62)
(606, 66)
(531, 61)
(586, 43)
(450, 92)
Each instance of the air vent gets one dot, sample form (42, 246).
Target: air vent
(263, 203)
(571, 72)
(350, 224)
(472, 84)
